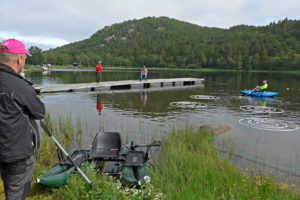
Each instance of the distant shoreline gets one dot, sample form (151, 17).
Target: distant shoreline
(39, 68)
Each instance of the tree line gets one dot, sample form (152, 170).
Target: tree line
(169, 43)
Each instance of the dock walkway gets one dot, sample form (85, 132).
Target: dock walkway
(120, 85)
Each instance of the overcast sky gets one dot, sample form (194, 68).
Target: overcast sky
(52, 23)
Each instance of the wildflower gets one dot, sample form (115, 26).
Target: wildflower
(284, 187)
(135, 192)
(147, 179)
(258, 183)
(267, 177)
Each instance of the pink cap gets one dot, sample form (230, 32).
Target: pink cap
(14, 46)
(264, 81)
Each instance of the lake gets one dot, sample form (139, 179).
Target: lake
(264, 133)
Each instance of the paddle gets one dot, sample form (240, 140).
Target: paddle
(61, 148)
(251, 91)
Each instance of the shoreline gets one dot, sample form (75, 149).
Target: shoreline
(39, 68)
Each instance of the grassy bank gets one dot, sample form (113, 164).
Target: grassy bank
(161, 69)
(189, 167)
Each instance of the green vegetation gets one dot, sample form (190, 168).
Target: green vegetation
(189, 167)
(37, 56)
(104, 187)
(169, 43)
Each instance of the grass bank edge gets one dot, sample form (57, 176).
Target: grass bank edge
(28, 67)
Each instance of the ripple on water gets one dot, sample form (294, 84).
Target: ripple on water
(269, 124)
(188, 104)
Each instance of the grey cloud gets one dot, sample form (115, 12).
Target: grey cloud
(74, 20)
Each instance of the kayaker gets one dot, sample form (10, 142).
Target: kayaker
(19, 108)
(262, 87)
(98, 72)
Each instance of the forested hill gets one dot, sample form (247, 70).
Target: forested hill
(165, 42)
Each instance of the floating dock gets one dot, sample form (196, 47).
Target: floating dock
(120, 85)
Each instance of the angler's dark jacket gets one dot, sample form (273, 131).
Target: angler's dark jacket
(19, 107)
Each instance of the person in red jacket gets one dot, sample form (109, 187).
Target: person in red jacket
(98, 72)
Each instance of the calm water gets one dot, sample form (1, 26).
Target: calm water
(146, 115)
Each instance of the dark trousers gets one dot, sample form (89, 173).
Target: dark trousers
(17, 178)
(98, 76)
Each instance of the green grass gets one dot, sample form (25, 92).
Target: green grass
(188, 167)
(104, 187)
(68, 135)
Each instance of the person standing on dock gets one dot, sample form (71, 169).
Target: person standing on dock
(144, 73)
(19, 108)
(98, 72)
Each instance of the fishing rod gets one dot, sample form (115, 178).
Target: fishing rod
(65, 152)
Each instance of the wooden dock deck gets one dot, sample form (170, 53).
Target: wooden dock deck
(120, 85)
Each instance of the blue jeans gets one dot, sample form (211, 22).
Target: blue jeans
(145, 76)
(17, 177)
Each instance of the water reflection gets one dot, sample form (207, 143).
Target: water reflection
(46, 73)
(263, 102)
(256, 101)
(99, 104)
(143, 94)
(259, 101)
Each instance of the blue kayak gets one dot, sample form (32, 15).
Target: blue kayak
(258, 94)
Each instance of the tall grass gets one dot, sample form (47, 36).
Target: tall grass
(64, 132)
(104, 187)
(190, 168)
(46, 157)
